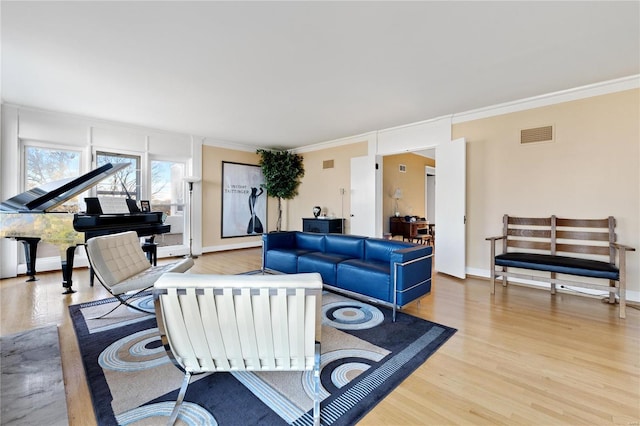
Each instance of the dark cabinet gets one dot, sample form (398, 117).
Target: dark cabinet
(323, 226)
(408, 229)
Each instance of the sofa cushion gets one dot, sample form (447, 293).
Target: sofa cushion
(323, 263)
(346, 245)
(368, 278)
(283, 260)
(380, 250)
(310, 241)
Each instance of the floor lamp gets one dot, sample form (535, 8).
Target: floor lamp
(191, 180)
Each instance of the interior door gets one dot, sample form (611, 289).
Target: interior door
(362, 197)
(450, 222)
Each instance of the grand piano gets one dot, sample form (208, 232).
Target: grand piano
(30, 217)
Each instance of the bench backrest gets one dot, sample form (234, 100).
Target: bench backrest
(560, 236)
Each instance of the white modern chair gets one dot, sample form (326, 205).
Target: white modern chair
(122, 267)
(221, 323)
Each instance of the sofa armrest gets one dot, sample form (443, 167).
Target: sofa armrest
(411, 266)
(275, 240)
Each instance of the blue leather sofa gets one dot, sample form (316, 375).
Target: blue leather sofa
(383, 271)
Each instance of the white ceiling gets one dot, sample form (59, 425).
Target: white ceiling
(290, 74)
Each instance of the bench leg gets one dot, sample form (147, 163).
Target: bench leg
(612, 295)
(504, 277)
(553, 284)
(493, 278)
(623, 296)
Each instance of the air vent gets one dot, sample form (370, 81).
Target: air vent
(538, 134)
(402, 168)
(327, 164)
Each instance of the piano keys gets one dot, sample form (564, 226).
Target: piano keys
(30, 217)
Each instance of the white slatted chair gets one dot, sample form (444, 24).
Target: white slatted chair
(122, 267)
(221, 323)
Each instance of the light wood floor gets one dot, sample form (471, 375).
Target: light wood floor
(519, 357)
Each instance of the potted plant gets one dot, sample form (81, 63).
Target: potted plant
(282, 172)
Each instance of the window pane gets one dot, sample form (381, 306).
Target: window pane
(46, 165)
(168, 196)
(124, 183)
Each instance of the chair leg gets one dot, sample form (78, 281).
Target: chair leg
(183, 391)
(124, 302)
(316, 387)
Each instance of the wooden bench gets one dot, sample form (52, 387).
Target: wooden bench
(589, 250)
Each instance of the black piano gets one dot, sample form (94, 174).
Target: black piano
(29, 217)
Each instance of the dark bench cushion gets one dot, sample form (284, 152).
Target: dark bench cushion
(559, 264)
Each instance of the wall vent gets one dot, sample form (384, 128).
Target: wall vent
(402, 168)
(327, 164)
(538, 134)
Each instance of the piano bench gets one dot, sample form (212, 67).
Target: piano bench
(151, 250)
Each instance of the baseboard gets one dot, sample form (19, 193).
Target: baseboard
(632, 296)
(248, 244)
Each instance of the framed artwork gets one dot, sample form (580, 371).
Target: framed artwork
(145, 206)
(244, 201)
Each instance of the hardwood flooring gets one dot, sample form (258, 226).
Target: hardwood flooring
(519, 357)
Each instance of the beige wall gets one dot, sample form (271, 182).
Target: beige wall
(212, 158)
(410, 183)
(589, 171)
(321, 187)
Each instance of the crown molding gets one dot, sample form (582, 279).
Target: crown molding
(217, 143)
(363, 137)
(582, 92)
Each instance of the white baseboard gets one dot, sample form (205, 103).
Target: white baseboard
(248, 244)
(632, 296)
(47, 264)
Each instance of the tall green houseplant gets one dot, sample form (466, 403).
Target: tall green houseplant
(282, 172)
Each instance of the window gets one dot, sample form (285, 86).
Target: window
(126, 182)
(168, 196)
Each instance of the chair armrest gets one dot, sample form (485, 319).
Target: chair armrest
(493, 245)
(622, 247)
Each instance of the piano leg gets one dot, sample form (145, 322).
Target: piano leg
(30, 252)
(67, 270)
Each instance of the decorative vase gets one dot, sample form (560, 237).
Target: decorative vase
(316, 211)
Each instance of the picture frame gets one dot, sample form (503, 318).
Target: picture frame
(244, 200)
(145, 206)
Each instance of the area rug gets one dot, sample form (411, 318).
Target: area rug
(364, 357)
(31, 382)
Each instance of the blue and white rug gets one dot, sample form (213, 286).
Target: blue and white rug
(364, 357)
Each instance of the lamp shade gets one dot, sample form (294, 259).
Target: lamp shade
(398, 194)
(191, 179)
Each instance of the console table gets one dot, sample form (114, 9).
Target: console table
(323, 226)
(408, 229)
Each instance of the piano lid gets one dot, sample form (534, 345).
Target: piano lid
(51, 195)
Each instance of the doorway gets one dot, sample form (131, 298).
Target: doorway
(450, 197)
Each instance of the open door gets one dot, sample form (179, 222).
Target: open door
(363, 191)
(450, 227)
